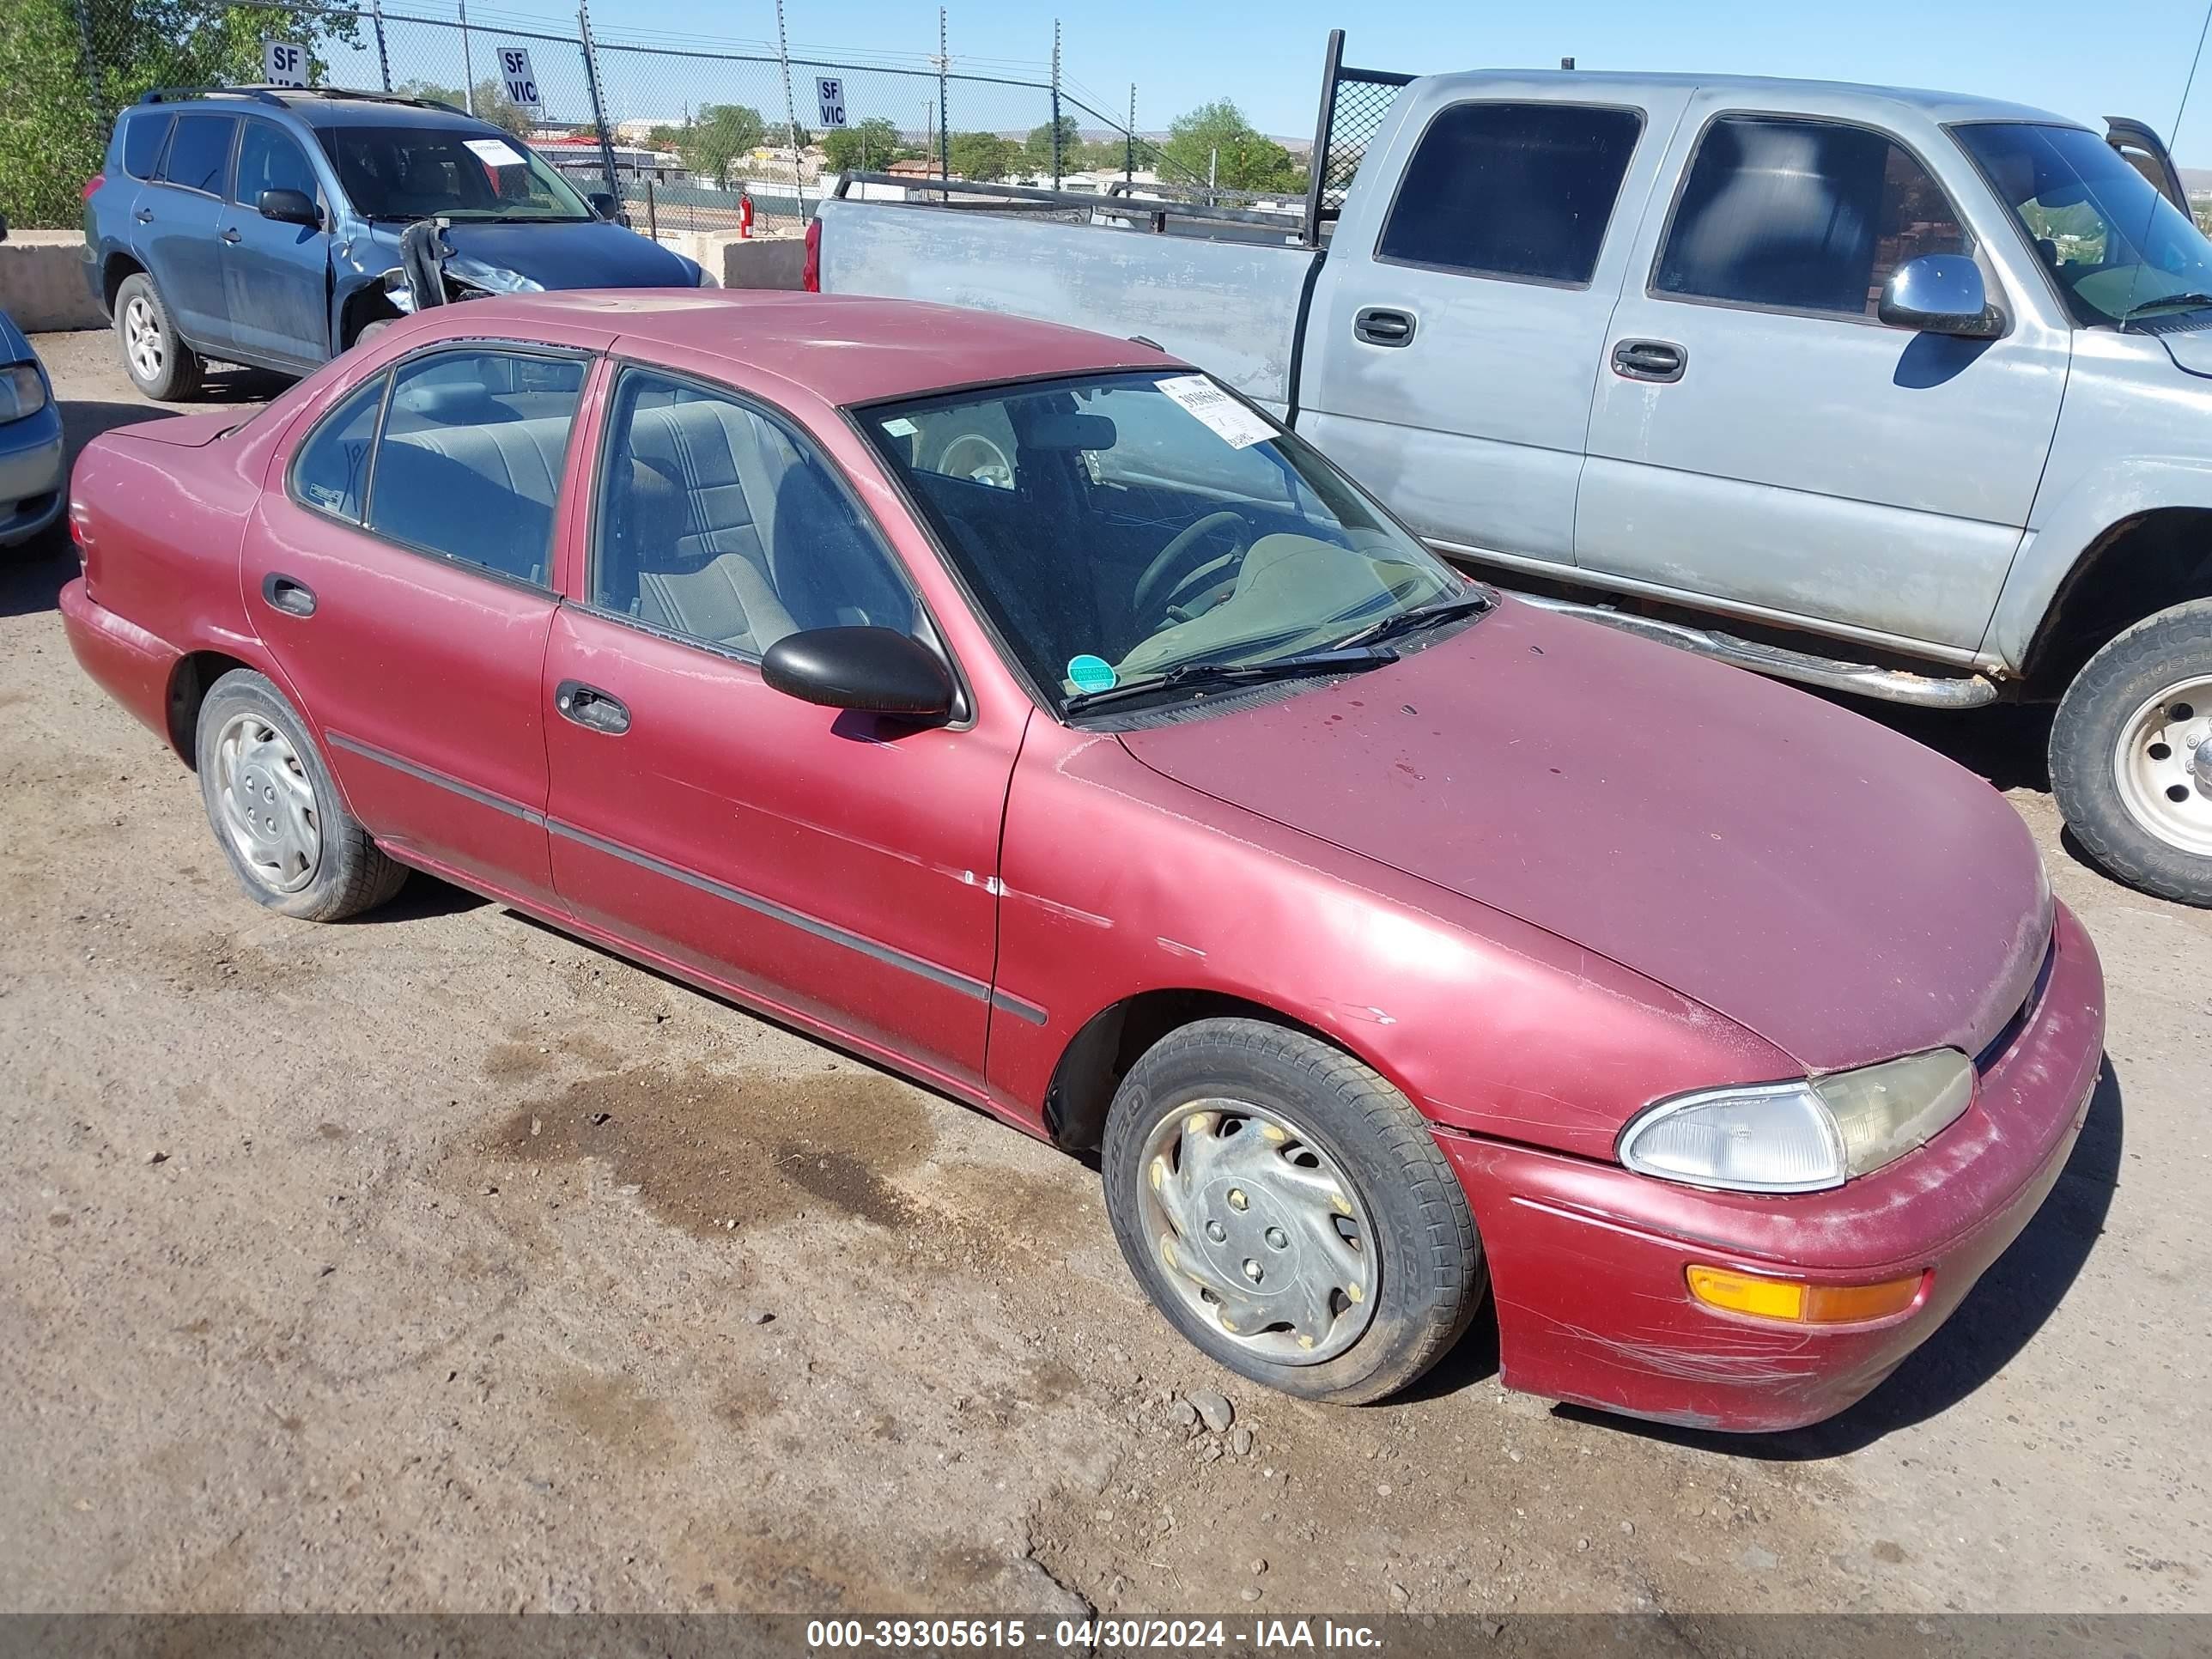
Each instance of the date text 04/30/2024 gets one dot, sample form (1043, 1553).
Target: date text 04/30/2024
(1085, 1634)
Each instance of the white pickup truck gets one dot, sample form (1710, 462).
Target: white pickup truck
(1895, 393)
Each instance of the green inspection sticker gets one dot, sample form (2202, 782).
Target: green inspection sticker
(1090, 673)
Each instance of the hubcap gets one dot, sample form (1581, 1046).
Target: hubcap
(2164, 766)
(141, 338)
(267, 804)
(1260, 1232)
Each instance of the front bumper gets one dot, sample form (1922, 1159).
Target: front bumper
(32, 476)
(1587, 1260)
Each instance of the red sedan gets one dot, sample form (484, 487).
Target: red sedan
(1019, 710)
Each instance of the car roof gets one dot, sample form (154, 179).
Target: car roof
(1757, 91)
(845, 349)
(322, 110)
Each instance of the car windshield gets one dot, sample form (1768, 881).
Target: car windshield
(2116, 246)
(1120, 526)
(423, 172)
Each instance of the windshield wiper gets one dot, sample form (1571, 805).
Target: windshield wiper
(2192, 299)
(1186, 675)
(1412, 621)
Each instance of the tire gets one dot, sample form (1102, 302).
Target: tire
(1419, 1260)
(2121, 748)
(297, 850)
(159, 364)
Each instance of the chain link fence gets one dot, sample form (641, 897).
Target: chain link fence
(687, 134)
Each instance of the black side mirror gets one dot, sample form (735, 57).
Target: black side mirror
(1940, 294)
(878, 671)
(608, 206)
(290, 207)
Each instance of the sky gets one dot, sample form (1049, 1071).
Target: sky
(2120, 57)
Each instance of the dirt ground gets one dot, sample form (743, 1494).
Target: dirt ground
(439, 1261)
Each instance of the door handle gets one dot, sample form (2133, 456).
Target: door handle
(230, 233)
(284, 594)
(590, 707)
(144, 216)
(1659, 361)
(1382, 325)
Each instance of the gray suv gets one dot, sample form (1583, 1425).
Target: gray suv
(263, 225)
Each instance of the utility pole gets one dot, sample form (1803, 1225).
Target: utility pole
(790, 111)
(469, 63)
(1129, 141)
(383, 62)
(944, 104)
(1055, 103)
(598, 108)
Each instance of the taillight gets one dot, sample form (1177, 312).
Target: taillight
(812, 280)
(92, 184)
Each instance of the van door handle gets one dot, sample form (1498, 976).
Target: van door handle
(292, 598)
(590, 707)
(1382, 325)
(144, 216)
(1659, 361)
(230, 233)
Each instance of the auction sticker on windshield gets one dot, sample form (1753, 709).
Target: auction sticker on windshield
(1239, 425)
(492, 153)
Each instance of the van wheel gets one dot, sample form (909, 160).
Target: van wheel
(1289, 1211)
(155, 356)
(2131, 755)
(275, 810)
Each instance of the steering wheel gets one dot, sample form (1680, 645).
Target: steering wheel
(1164, 577)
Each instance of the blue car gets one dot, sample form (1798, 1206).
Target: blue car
(263, 226)
(31, 475)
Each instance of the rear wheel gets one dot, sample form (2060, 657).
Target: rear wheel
(275, 810)
(156, 358)
(1289, 1211)
(2131, 755)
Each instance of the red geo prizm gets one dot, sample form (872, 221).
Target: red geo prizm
(1018, 708)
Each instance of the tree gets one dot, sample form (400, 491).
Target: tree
(1038, 151)
(721, 135)
(59, 104)
(870, 146)
(983, 156)
(1218, 135)
(493, 105)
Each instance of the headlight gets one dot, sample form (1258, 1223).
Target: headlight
(21, 392)
(1801, 1137)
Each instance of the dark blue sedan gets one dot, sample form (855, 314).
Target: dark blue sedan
(31, 475)
(263, 226)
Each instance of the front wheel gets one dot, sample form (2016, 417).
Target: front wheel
(1289, 1211)
(2131, 755)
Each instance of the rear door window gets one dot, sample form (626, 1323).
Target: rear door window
(1521, 190)
(331, 474)
(143, 137)
(200, 153)
(1802, 215)
(470, 462)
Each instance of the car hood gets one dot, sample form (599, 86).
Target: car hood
(590, 253)
(1837, 888)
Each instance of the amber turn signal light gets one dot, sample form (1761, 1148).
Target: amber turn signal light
(1800, 1301)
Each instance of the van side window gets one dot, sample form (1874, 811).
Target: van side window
(269, 160)
(1512, 189)
(1802, 215)
(143, 137)
(199, 154)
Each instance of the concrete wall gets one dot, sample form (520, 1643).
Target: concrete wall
(748, 261)
(42, 283)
